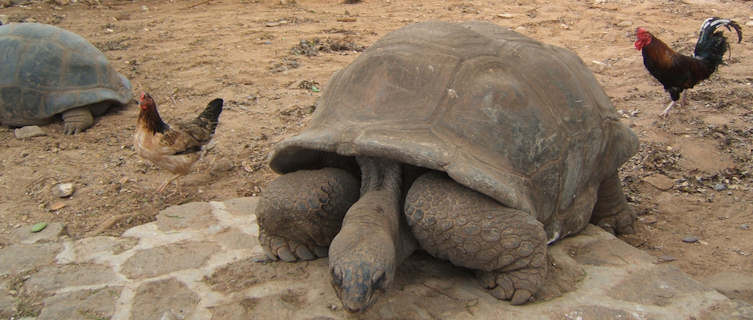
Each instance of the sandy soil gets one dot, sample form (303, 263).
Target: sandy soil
(692, 177)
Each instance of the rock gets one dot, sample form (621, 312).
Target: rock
(221, 165)
(660, 181)
(625, 23)
(53, 278)
(690, 239)
(749, 23)
(29, 131)
(82, 304)
(3, 17)
(735, 285)
(666, 258)
(50, 233)
(720, 187)
(193, 215)
(649, 219)
(63, 190)
(506, 15)
(22, 257)
(745, 226)
(153, 299)
(161, 260)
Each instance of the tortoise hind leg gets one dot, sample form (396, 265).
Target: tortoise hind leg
(506, 246)
(299, 213)
(611, 211)
(77, 120)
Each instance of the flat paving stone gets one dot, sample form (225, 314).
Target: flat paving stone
(153, 299)
(735, 285)
(50, 233)
(197, 261)
(241, 206)
(81, 305)
(22, 257)
(168, 258)
(53, 278)
(194, 215)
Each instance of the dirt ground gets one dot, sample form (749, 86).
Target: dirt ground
(269, 60)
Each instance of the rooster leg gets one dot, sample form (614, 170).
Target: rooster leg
(665, 113)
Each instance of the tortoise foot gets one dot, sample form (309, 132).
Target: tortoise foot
(77, 120)
(278, 248)
(299, 213)
(519, 285)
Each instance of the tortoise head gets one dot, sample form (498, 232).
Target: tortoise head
(359, 284)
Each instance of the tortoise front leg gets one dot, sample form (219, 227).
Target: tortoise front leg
(77, 120)
(300, 212)
(374, 238)
(506, 247)
(611, 211)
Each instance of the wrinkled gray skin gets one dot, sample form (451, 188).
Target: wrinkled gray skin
(47, 71)
(469, 141)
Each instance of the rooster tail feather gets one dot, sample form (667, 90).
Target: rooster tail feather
(212, 111)
(711, 44)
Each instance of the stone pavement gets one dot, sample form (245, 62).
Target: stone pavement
(196, 262)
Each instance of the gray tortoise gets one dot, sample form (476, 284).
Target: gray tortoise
(45, 71)
(469, 141)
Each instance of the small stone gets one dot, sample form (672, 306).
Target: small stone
(57, 205)
(144, 8)
(720, 187)
(648, 219)
(666, 258)
(745, 226)
(28, 132)
(625, 23)
(63, 190)
(690, 239)
(222, 165)
(749, 23)
(506, 15)
(3, 18)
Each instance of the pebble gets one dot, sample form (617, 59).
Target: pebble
(4, 18)
(57, 205)
(506, 15)
(63, 190)
(648, 219)
(28, 132)
(625, 23)
(222, 165)
(690, 239)
(749, 23)
(720, 187)
(745, 226)
(666, 258)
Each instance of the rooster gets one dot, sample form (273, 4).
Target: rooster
(678, 72)
(174, 148)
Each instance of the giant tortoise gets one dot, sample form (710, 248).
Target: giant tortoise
(46, 71)
(470, 141)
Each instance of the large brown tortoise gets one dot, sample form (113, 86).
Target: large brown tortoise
(472, 142)
(47, 71)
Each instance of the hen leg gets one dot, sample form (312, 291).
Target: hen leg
(164, 185)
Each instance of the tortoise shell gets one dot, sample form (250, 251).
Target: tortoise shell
(45, 70)
(523, 122)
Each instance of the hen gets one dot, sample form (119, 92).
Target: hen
(174, 148)
(678, 72)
